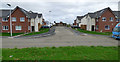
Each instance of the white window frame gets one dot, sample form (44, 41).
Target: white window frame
(4, 27)
(111, 18)
(103, 18)
(22, 19)
(18, 27)
(117, 20)
(14, 19)
(97, 27)
(107, 28)
(4, 20)
(28, 27)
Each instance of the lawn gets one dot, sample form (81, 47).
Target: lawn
(93, 32)
(8, 34)
(61, 53)
(42, 30)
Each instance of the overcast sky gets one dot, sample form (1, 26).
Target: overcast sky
(59, 10)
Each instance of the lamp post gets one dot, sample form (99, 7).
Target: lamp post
(10, 21)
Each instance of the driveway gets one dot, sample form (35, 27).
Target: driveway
(62, 37)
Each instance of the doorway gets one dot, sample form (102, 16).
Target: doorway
(93, 28)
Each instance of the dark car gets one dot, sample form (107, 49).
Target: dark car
(46, 27)
(75, 27)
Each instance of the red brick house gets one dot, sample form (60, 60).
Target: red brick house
(106, 20)
(102, 21)
(22, 21)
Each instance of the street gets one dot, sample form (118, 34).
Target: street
(62, 37)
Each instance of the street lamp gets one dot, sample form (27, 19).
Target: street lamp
(10, 21)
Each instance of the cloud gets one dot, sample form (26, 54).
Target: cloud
(65, 11)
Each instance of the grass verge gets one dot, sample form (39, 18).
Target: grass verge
(61, 53)
(8, 34)
(42, 30)
(93, 32)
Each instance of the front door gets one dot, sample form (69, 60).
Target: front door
(92, 27)
(32, 28)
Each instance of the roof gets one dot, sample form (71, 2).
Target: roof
(92, 15)
(79, 17)
(116, 13)
(39, 15)
(30, 14)
(100, 12)
(4, 12)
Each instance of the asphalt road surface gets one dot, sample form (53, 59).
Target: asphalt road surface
(63, 37)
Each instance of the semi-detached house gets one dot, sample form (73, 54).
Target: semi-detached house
(22, 21)
(102, 21)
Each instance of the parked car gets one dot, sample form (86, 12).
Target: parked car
(46, 26)
(75, 27)
(116, 32)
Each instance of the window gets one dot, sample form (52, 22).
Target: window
(28, 20)
(4, 19)
(107, 27)
(28, 27)
(5, 27)
(22, 19)
(97, 27)
(18, 27)
(117, 20)
(13, 18)
(104, 19)
(111, 18)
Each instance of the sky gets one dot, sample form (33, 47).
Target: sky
(61, 10)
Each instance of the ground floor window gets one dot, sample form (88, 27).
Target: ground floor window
(97, 27)
(107, 27)
(5, 27)
(18, 27)
(28, 27)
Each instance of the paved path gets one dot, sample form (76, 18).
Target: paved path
(63, 37)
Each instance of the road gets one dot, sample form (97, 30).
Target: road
(63, 37)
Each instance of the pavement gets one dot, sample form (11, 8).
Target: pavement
(50, 33)
(63, 37)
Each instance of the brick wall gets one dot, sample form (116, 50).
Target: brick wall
(17, 13)
(102, 24)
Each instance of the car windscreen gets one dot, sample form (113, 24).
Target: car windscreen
(116, 29)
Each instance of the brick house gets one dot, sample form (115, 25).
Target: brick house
(21, 20)
(106, 20)
(102, 21)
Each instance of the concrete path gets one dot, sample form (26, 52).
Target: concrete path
(63, 37)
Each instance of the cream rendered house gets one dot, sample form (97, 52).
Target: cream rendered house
(87, 22)
(78, 20)
(36, 21)
(90, 22)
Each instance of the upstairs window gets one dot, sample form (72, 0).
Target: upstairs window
(117, 20)
(22, 19)
(5, 27)
(103, 18)
(13, 19)
(107, 27)
(4, 19)
(111, 18)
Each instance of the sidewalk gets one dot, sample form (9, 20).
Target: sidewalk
(80, 33)
(51, 32)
